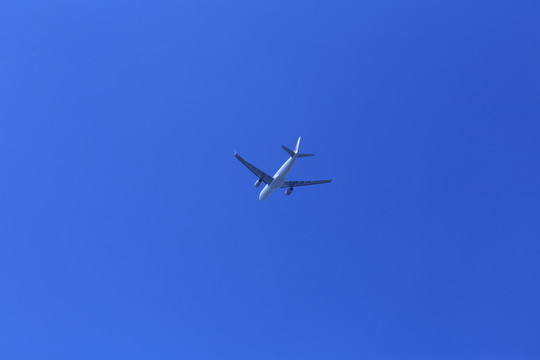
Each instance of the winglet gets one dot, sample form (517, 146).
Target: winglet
(297, 145)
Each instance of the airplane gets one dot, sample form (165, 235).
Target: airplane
(278, 181)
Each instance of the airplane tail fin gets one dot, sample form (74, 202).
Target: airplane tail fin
(295, 152)
(297, 145)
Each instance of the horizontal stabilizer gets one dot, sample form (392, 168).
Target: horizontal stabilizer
(288, 150)
(292, 153)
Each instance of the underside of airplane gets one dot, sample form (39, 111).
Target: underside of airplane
(279, 179)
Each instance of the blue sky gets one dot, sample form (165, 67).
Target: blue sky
(129, 230)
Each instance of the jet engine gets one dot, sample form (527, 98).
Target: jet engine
(257, 183)
(289, 191)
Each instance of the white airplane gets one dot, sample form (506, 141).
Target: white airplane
(278, 181)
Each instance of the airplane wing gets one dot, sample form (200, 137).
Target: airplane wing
(260, 174)
(287, 184)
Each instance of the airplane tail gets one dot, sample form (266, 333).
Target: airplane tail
(297, 145)
(295, 152)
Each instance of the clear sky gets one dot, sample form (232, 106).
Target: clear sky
(128, 230)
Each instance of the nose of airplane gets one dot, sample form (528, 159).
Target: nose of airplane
(264, 193)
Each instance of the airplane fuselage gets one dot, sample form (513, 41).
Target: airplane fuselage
(279, 178)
